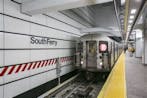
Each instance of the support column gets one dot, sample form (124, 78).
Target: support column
(145, 43)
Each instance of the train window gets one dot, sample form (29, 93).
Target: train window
(92, 47)
(103, 46)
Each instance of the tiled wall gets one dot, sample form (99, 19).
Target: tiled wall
(16, 29)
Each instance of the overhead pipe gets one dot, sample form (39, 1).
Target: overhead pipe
(116, 13)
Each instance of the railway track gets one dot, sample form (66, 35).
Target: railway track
(79, 88)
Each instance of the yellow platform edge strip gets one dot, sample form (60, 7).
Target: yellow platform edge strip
(115, 85)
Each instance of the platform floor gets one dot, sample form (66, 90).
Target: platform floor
(136, 77)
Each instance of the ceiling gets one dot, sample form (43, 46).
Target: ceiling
(106, 17)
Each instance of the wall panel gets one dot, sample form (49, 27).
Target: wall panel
(54, 23)
(1, 22)
(1, 92)
(16, 88)
(1, 6)
(17, 51)
(16, 25)
(1, 58)
(1, 40)
(16, 41)
(49, 54)
(13, 9)
(16, 56)
(41, 19)
(65, 19)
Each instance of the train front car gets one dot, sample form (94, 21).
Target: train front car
(96, 53)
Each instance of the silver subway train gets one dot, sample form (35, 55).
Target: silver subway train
(97, 53)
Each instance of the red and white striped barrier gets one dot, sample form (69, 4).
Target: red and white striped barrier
(13, 69)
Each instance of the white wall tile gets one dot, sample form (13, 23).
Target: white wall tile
(37, 80)
(15, 88)
(66, 19)
(1, 40)
(17, 41)
(48, 32)
(51, 75)
(66, 69)
(13, 9)
(1, 22)
(16, 25)
(56, 24)
(16, 56)
(1, 58)
(1, 92)
(41, 19)
(47, 54)
(1, 6)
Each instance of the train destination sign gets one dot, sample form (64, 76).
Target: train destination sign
(43, 41)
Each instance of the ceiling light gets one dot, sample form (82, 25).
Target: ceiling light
(129, 26)
(133, 11)
(123, 2)
(131, 17)
(130, 21)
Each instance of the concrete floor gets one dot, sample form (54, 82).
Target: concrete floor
(136, 78)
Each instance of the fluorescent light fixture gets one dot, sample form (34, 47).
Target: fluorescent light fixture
(133, 11)
(123, 2)
(129, 26)
(130, 21)
(131, 17)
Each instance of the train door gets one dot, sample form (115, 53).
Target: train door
(91, 54)
(79, 54)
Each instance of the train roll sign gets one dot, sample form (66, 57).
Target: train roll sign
(103, 46)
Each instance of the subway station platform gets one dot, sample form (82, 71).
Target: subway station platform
(136, 77)
(127, 79)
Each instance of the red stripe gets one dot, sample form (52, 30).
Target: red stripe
(30, 66)
(36, 64)
(50, 61)
(43, 63)
(60, 59)
(12, 68)
(4, 70)
(64, 59)
(53, 61)
(46, 62)
(24, 67)
(18, 68)
(39, 64)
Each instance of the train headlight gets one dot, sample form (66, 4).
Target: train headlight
(101, 63)
(82, 62)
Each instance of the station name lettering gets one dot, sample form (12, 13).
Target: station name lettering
(43, 41)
